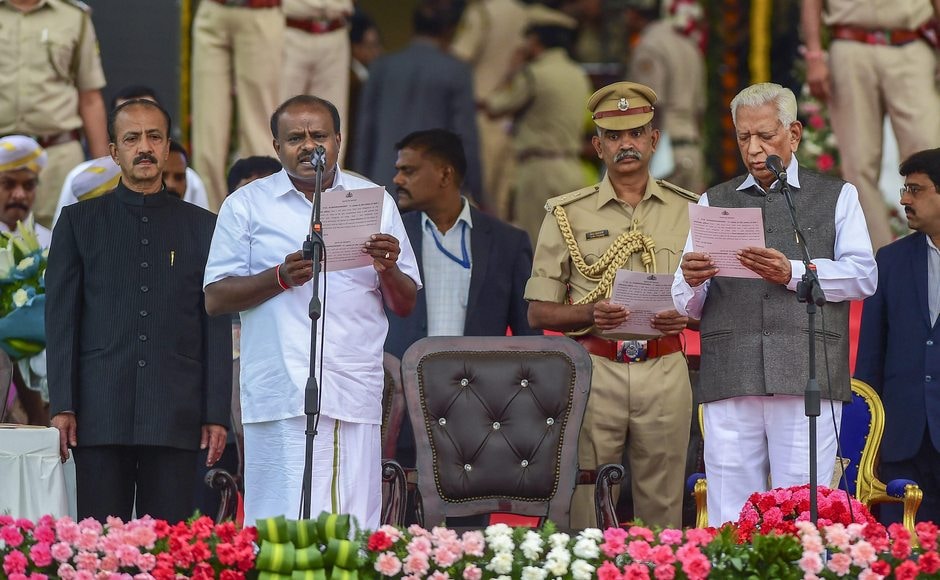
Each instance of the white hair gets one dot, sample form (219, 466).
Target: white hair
(765, 94)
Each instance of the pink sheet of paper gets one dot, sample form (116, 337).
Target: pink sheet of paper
(721, 231)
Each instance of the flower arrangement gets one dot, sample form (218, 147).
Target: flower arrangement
(142, 549)
(818, 148)
(779, 510)
(22, 291)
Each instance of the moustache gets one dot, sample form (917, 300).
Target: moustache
(628, 154)
(145, 157)
(402, 191)
(16, 205)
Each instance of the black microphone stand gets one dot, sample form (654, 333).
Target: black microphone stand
(313, 249)
(809, 291)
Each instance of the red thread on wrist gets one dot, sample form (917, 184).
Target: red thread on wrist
(277, 274)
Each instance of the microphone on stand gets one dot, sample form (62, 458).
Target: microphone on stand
(775, 165)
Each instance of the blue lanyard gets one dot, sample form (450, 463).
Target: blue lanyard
(465, 262)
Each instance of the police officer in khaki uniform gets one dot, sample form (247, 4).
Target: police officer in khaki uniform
(490, 32)
(879, 63)
(673, 66)
(317, 53)
(546, 98)
(640, 397)
(50, 87)
(237, 44)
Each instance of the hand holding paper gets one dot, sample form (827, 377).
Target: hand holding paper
(721, 233)
(645, 297)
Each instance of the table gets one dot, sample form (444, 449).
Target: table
(32, 476)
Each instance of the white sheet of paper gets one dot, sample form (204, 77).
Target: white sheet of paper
(721, 231)
(644, 295)
(349, 217)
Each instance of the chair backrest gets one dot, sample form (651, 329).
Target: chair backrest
(496, 422)
(6, 376)
(393, 405)
(863, 423)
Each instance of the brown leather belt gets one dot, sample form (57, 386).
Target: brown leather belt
(314, 26)
(46, 141)
(249, 3)
(629, 351)
(882, 37)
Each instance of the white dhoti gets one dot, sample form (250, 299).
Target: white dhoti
(347, 470)
(753, 443)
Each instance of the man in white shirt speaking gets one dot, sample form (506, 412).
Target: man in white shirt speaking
(255, 267)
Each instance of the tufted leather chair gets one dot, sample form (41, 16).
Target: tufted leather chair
(496, 422)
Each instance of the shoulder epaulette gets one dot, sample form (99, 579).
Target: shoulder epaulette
(78, 4)
(676, 189)
(567, 198)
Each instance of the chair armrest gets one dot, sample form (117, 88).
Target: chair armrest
(220, 479)
(910, 494)
(605, 508)
(394, 496)
(697, 486)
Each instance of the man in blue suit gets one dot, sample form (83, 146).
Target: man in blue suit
(474, 266)
(899, 345)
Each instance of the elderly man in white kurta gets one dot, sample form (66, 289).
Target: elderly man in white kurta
(255, 267)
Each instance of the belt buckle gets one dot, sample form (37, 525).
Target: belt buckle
(880, 37)
(629, 351)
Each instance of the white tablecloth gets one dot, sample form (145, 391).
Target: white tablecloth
(32, 477)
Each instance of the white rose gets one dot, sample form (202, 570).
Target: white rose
(20, 297)
(533, 573)
(531, 545)
(25, 263)
(581, 570)
(559, 539)
(501, 544)
(556, 567)
(592, 534)
(501, 563)
(585, 548)
(561, 554)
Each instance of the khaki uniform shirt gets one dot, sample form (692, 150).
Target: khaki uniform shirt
(548, 98)
(490, 32)
(49, 55)
(672, 65)
(317, 9)
(891, 14)
(597, 218)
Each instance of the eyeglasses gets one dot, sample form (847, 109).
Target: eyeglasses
(912, 189)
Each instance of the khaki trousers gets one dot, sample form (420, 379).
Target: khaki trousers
(318, 65)
(869, 82)
(62, 159)
(537, 180)
(499, 164)
(241, 49)
(645, 407)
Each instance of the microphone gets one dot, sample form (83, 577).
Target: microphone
(775, 165)
(318, 160)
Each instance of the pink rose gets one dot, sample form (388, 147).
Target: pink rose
(11, 536)
(473, 543)
(146, 562)
(41, 554)
(636, 571)
(86, 561)
(61, 551)
(44, 533)
(700, 536)
(662, 555)
(608, 571)
(639, 550)
(697, 568)
(840, 563)
(17, 577)
(67, 530)
(863, 553)
(91, 524)
(38, 576)
(127, 555)
(387, 564)
(6, 520)
(906, 571)
(471, 572)
(665, 572)
(66, 571)
(14, 562)
(817, 122)
(109, 563)
(83, 575)
(825, 162)
(444, 557)
(438, 575)
(670, 537)
(419, 545)
(416, 563)
(811, 563)
(641, 532)
(87, 539)
(929, 562)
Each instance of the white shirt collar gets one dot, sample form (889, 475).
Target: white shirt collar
(793, 176)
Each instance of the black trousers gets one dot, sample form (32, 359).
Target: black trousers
(924, 469)
(112, 480)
